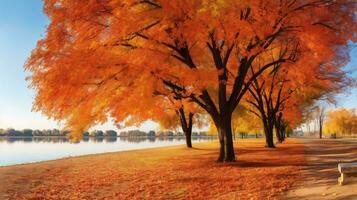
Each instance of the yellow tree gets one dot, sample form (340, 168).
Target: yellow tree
(341, 122)
(245, 122)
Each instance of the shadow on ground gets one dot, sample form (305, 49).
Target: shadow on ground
(321, 174)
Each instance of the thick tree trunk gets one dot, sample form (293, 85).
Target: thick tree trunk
(269, 141)
(224, 128)
(269, 138)
(279, 128)
(186, 126)
(280, 134)
(320, 131)
(188, 135)
(277, 134)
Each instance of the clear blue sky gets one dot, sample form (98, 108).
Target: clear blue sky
(22, 23)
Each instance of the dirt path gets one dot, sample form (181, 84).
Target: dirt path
(321, 172)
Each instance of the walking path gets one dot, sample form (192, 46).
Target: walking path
(321, 174)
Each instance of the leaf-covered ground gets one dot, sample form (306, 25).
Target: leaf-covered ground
(161, 173)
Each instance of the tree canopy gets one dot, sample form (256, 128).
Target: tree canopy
(342, 122)
(108, 58)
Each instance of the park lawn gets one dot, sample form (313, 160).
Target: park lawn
(161, 173)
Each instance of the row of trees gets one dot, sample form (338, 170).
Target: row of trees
(96, 133)
(53, 132)
(29, 132)
(185, 63)
(331, 122)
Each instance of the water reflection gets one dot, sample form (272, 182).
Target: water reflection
(18, 150)
(99, 139)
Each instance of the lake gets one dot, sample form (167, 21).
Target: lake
(33, 149)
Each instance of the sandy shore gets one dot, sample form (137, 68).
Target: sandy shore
(161, 173)
(321, 174)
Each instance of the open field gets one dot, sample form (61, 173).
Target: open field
(161, 173)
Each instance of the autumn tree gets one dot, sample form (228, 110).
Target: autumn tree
(267, 99)
(320, 119)
(181, 114)
(100, 58)
(281, 90)
(180, 118)
(341, 122)
(245, 122)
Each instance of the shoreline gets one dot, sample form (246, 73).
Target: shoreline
(104, 153)
(173, 172)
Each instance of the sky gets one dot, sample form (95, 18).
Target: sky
(22, 24)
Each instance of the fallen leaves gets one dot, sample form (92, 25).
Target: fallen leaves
(166, 173)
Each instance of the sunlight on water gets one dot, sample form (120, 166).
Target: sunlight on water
(27, 150)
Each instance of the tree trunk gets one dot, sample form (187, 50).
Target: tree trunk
(280, 133)
(186, 126)
(279, 128)
(277, 134)
(269, 139)
(320, 131)
(188, 135)
(224, 128)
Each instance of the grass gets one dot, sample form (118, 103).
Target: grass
(161, 173)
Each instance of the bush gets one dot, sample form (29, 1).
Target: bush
(111, 133)
(96, 133)
(27, 132)
(12, 132)
(151, 134)
(86, 134)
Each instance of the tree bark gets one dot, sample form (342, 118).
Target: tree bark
(321, 119)
(188, 135)
(269, 139)
(188, 132)
(186, 126)
(279, 128)
(224, 127)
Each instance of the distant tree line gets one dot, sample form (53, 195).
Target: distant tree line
(53, 132)
(29, 132)
(96, 133)
(138, 133)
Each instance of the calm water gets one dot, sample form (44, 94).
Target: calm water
(27, 150)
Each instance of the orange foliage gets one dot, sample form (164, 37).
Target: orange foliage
(107, 58)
